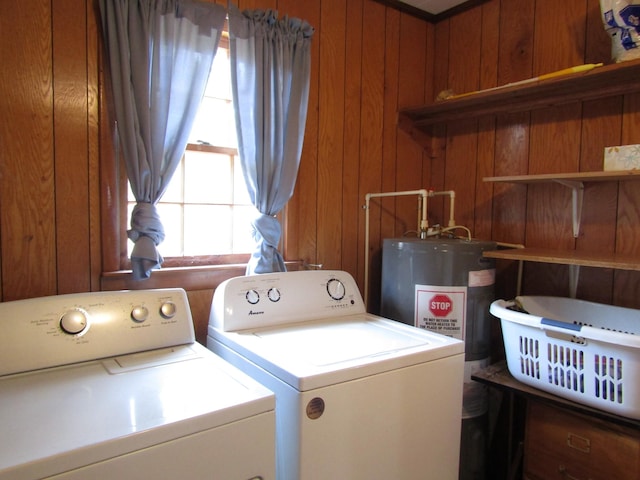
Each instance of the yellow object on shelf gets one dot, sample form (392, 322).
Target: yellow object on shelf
(559, 73)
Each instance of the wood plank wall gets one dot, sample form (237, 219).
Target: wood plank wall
(368, 61)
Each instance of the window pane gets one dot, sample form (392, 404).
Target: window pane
(174, 192)
(219, 85)
(207, 229)
(242, 230)
(240, 193)
(207, 178)
(171, 217)
(206, 210)
(215, 124)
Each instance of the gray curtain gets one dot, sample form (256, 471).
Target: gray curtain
(160, 55)
(270, 66)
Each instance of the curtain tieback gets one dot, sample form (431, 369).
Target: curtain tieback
(268, 227)
(145, 222)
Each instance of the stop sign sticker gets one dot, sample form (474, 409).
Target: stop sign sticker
(441, 309)
(441, 305)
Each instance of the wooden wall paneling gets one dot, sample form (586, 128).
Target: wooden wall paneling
(352, 243)
(598, 42)
(555, 147)
(371, 131)
(462, 137)
(27, 198)
(331, 131)
(559, 35)
(626, 290)
(390, 133)
(601, 127)
(429, 153)
(627, 284)
(300, 234)
(93, 127)
(437, 156)
(555, 139)
(515, 55)
(515, 60)
(71, 145)
(486, 126)
(200, 304)
(412, 61)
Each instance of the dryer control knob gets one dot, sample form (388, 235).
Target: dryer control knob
(168, 309)
(74, 321)
(139, 313)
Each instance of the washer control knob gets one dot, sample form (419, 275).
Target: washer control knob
(139, 313)
(273, 294)
(335, 289)
(252, 297)
(168, 309)
(74, 321)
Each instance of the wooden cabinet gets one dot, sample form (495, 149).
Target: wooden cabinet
(561, 444)
(563, 440)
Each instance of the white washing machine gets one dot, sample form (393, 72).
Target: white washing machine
(113, 385)
(357, 396)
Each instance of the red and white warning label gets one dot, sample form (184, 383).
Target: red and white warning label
(441, 309)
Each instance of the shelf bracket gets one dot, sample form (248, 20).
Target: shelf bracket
(577, 195)
(574, 275)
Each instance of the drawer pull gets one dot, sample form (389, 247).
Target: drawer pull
(578, 443)
(563, 471)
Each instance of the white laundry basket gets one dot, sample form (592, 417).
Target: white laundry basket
(584, 351)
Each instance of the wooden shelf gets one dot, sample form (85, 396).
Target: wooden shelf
(609, 176)
(498, 376)
(575, 259)
(574, 181)
(606, 81)
(569, 257)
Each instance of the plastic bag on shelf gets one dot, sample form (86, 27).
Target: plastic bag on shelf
(622, 22)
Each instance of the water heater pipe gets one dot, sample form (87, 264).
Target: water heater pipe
(422, 227)
(452, 197)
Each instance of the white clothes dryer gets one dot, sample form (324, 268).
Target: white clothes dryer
(358, 397)
(113, 385)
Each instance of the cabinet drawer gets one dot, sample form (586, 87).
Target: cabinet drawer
(564, 445)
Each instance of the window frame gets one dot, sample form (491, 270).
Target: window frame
(114, 188)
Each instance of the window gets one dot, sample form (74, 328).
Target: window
(206, 210)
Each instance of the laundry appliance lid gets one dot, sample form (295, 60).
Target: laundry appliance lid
(58, 419)
(329, 351)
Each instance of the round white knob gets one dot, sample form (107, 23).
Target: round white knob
(252, 297)
(335, 289)
(273, 294)
(139, 313)
(168, 309)
(74, 321)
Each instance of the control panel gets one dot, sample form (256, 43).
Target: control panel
(50, 331)
(264, 300)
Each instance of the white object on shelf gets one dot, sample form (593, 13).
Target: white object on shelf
(622, 157)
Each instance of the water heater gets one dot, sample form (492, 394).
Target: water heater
(447, 286)
(441, 284)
